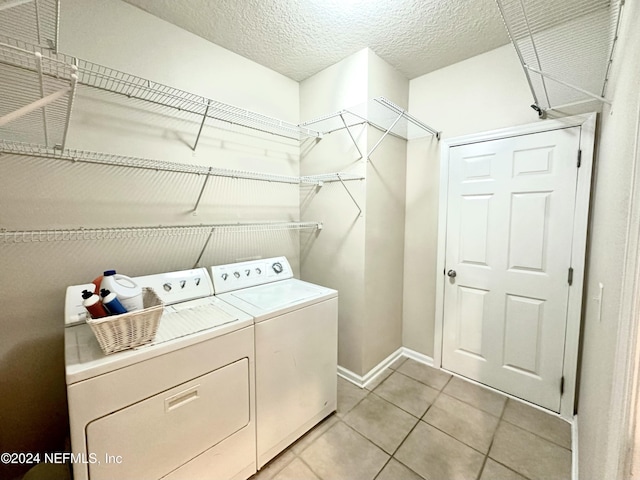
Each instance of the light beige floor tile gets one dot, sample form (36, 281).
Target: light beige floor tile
(494, 471)
(272, 468)
(314, 433)
(530, 455)
(396, 364)
(475, 395)
(381, 422)
(296, 470)
(463, 422)
(348, 396)
(423, 373)
(436, 456)
(394, 470)
(407, 393)
(341, 453)
(541, 423)
(382, 376)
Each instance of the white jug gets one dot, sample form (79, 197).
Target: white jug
(128, 292)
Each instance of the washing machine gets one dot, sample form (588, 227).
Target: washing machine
(296, 338)
(180, 407)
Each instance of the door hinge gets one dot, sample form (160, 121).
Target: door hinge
(562, 385)
(579, 158)
(570, 279)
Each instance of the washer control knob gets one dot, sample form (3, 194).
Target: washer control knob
(277, 267)
(197, 281)
(247, 272)
(182, 283)
(236, 274)
(225, 276)
(167, 287)
(258, 271)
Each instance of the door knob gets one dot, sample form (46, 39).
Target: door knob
(452, 273)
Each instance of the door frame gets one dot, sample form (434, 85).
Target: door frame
(587, 122)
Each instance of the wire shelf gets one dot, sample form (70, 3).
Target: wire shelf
(381, 114)
(36, 107)
(34, 21)
(330, 177)
(132, 233)
(84, 156)
(114, 81)
(565, 48)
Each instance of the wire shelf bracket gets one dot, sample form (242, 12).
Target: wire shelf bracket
(33, 82)
(565, 48)
(379, 113)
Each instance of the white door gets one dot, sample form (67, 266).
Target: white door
(508, 248)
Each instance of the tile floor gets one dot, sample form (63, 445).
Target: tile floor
(416, 423)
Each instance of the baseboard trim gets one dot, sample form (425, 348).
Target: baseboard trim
(574, 448)
(370, 376)
(417, 356)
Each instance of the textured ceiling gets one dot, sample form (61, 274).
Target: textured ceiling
(298, 38)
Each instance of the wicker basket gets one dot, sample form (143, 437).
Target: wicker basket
(128, 330)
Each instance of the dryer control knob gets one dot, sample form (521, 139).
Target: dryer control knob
(277, 267)
(182, 283)
(167, 287)
(236, 274)
(247, 272)
(258, 271)
(225, 276)
(197, 281)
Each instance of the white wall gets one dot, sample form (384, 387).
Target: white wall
(359, 255)
(486, 92)
(384, 238)
(606, 261)
(41, 193)
(335, 256)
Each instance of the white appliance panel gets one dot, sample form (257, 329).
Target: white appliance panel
(164, 431)
(296, 381)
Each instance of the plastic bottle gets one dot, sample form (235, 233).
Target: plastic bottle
(97, 281)
(111, 302)
(93, 305)
(128, 292)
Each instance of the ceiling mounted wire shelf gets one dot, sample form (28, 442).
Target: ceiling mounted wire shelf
(33, 21)
(566, 48)
(37, 97)
(132, 233)
(381, 114)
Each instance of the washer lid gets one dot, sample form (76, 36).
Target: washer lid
(265, 301)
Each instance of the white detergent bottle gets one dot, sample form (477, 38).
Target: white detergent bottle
(128, 292)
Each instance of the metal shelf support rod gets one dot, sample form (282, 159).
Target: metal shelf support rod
(204, 247)
(33, 106)
(574, 87)
(385, 134)
(408, 116)
(351, 135)
(72, 96)
(15, 3)
(352, 198)
(37, 11)
(535, 49)
(204, 185)
(44, 109)
(204, 118)
(517, 49)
